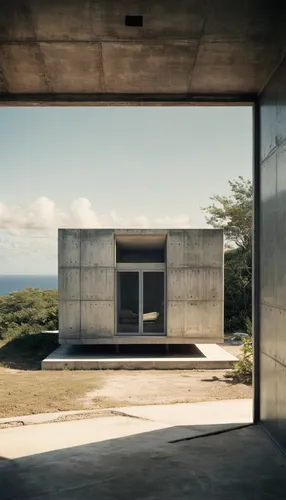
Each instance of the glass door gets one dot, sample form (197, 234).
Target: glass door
(153, 303)
(128, 302)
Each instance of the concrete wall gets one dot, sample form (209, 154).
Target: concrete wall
(273, 255)
(86, 284)
(195, 284)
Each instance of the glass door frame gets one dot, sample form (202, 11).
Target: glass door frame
(140, 268)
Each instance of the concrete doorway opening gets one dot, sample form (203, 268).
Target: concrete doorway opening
(60, 53)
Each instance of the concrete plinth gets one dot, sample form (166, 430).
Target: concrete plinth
(199, 356)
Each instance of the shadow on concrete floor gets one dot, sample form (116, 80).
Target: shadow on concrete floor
(239, 465)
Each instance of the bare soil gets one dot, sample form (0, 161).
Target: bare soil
(31, 391)
(161, 387)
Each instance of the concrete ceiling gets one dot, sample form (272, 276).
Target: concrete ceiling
(141, 240)
(82, 49)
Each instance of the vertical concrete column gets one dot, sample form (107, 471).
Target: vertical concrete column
(195, 284)
(69, 285)
(272, 246)
(97, 277)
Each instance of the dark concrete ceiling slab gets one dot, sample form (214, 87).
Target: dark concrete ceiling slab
(239, 66)
(139, 67)
(83, 47)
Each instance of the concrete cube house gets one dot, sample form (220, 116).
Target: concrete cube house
(140, 286)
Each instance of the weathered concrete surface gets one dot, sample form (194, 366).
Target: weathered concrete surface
(273, 250)
(195, 289)
(86, 283)
(122, 457)
(207, 356)
(194, 301)
(198, 414)
(237, 411)
(82, 48)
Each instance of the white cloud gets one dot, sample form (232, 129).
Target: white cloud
(42, 218)
(28, 234)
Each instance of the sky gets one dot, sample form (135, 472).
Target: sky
(111, 167)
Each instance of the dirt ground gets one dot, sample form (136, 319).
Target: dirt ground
(26, 392)
(161, 387)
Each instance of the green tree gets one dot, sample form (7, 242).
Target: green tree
(28, 311)
(233, 214)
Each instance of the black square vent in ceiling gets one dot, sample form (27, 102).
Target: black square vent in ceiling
(134, 21)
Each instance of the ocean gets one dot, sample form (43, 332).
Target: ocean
(13, 282)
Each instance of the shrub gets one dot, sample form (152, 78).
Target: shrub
(28, 311)
(243, 368)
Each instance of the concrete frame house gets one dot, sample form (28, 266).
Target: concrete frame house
(130, 286)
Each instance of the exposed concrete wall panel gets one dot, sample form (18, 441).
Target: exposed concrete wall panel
(273, 256)
(97, 248)
(97, 283)
(69, 284)
(195, 284)
(271, 342)
(195, 248)
(69, 319)
(97, 318)
(195, 318)
(69, 247)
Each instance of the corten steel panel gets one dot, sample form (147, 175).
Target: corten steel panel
(97, 283)
(273, 256)
(195, 248)
(69, 248)
(195, 318)
(97, 248)
(97, 319)
(69, 320)
(69, 284)
(195, 284)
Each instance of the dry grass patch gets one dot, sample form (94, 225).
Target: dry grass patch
(31, 392)
(26, 390)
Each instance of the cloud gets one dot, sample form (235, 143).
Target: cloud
(28, 234)
(42, 218)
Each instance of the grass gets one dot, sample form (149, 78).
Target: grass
(30, 392)
(26, 390)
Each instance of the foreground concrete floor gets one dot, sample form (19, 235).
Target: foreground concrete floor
(136, 457)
